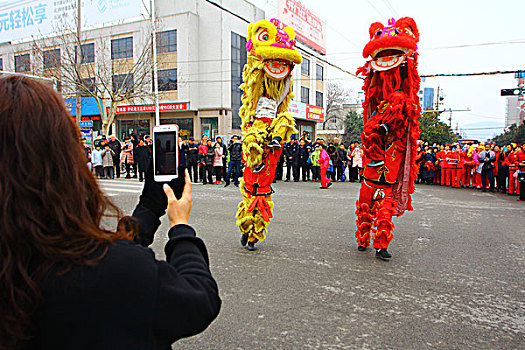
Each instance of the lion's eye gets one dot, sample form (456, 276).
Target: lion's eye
(263, 35)
(397, 31)
(379, 32)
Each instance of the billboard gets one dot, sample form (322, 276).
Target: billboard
(309, 28)
(305, 111)
(88, 106)
(23, 19)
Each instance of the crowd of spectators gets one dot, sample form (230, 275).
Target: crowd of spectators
(486, 167)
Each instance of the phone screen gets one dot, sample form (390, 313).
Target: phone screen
(166, 152)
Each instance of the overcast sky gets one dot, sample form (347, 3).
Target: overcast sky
(443, 23)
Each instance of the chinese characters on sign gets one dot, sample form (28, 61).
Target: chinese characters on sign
(165, 107)
(23, 17)
(305, 111)
(309, 28)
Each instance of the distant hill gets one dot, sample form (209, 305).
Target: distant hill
(483, 130)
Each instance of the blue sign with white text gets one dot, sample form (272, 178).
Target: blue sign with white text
(85, 124)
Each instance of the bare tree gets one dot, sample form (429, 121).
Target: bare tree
(336, 97)
(108, 69)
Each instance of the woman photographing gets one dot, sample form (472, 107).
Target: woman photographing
(66, 282)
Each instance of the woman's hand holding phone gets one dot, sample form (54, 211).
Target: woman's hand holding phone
(179, 209)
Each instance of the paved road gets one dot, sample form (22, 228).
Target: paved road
(456, 279)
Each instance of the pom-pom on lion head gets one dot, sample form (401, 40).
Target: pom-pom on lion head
(389, 46)
(273, 42)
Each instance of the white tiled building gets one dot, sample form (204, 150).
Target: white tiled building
(201, 53)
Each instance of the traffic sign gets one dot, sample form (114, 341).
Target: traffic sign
(512, 92)
(86, 124)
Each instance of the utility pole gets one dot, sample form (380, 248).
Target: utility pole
(155, 75)
(437, 100)
(78, 61)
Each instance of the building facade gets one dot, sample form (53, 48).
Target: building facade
(201, 51)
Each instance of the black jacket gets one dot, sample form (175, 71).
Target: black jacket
(341, 156)
(130, 300)
(235, 151)
(208, 159)
(291, 150)
(116, 147)
(192, 154)
(141, 156)
(303, 154)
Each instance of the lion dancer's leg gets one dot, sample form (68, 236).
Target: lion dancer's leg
(375, 208)
(252, 222)
(365, 211)
(255, 209)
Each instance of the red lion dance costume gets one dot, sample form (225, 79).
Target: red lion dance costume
(390, 133)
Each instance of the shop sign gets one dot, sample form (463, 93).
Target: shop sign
(86, 124)
(305, 111)
(314, 113)
(164, 107)
(88, 135)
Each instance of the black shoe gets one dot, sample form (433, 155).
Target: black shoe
(244, 240)
(383, 254)
(134, 176)
(361, 248)
(329, 184)
(236, 185)
(375, 163)
(286, 180)
(128, 177)
(323, 188)
(226, 185)
(251, 246)
(274, 144)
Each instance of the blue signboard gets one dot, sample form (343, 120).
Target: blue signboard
(519, 75)
(88, 135)
(86, 124)
(428, 98)
(88, 106)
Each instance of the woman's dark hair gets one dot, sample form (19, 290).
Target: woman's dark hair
(50, 204)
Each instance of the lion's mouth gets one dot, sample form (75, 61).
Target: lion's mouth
(385, 59)
(277, 69)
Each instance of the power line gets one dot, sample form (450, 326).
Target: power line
(470, 74)
(461, 46)
(310, 53)
(375, 8)
(493, 128)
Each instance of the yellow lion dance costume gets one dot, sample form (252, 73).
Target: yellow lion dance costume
(266, 122)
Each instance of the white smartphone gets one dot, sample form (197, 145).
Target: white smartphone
(165, 152)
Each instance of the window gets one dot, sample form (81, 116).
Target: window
(123, 82)
(167, 41)
(122, 48)
(305, 94)
(88, 86)
(319, 72)
(51, 59)
(305, 67)
(88, 53)
(319, 99)
(167, 79)
(238, 60)
(1, 63)
(22, 63)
